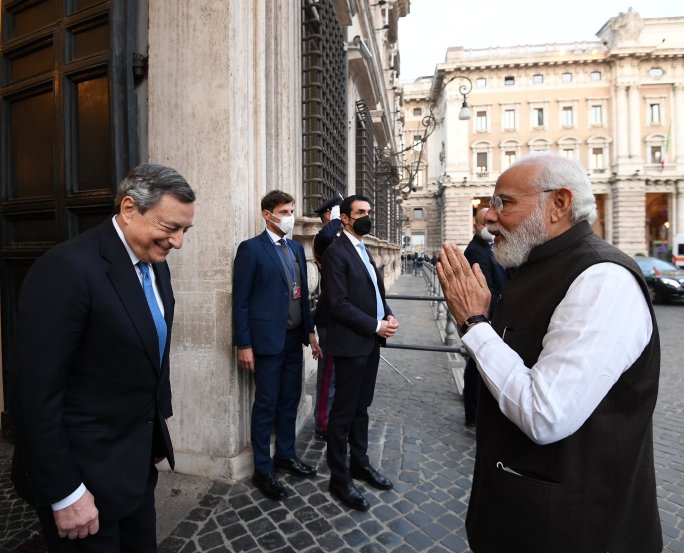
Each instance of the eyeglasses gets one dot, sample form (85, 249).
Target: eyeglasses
(498, 201)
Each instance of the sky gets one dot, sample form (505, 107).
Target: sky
(432, 26)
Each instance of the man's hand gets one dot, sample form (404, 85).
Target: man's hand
(78, 520)
(246, 359)
(465, 289)
(316, 350)
(388, 327)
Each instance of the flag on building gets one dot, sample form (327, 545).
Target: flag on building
(666, 148)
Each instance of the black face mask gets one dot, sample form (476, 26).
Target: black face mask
(363, 225)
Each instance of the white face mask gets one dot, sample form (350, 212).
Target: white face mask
(486, 235)
(286, 223)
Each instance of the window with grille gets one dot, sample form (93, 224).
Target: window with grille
(365, 152)
(324, 86)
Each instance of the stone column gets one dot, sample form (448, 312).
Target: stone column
(677, 138)
(679, 209)
(224, 110)
(621, 124)
(629, 207)
(458, 217)
(634, 124)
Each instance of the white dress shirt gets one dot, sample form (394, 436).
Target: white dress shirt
(355, 242)
(597, 332)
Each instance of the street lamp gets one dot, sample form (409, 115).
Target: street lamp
(464, 89)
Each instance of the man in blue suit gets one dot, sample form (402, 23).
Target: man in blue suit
(91, 371)
(271, 321)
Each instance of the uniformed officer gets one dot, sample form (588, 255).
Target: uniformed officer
(329, 212)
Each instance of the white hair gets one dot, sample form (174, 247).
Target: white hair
(555, 171)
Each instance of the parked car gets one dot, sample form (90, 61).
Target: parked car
(665, 281)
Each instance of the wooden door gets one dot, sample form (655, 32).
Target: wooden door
(67, 130)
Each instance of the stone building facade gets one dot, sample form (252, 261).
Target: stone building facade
(616, 105)
(241, 97)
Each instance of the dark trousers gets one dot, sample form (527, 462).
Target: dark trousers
(325, 386)
(471, 391)
(134, 533)
(278, 380)
(348, 424)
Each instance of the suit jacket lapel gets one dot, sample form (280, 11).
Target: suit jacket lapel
(270, 248)
(125, 281)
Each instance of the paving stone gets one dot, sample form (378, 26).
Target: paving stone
(260, 526)
(244, 543)
(234, 531)
(185, 529)
(301, 540)
(271, 541)
(210, 540)
(171, 545)
(355, 538)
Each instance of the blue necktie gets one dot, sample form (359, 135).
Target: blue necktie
(159, 321)
(380, 309)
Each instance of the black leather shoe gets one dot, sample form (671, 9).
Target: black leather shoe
(349, 495)
(295, 466)
(373, 477)
(269, 485)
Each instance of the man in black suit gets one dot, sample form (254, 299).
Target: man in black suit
(359, 321)
(91, 367)
(480, 250)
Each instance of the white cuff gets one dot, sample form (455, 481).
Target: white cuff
(70, 499)
(377, 328)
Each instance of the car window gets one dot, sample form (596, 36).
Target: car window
(649, 264)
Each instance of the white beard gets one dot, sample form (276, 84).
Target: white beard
(513, 249)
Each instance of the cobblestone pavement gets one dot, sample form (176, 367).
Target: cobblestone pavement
(418, 439)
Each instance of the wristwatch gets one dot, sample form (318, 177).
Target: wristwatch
(472, 321)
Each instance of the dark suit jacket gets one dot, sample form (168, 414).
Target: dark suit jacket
(321, 242)
(261, 294)
(349, 295)
(480, 251)
(90, 397)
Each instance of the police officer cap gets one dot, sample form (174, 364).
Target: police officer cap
(328, 204)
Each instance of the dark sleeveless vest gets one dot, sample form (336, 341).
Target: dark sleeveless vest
(594, 491)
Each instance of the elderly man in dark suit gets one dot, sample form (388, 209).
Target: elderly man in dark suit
(91, 366)
(271, 321)
(480, 251)
(359, 320)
